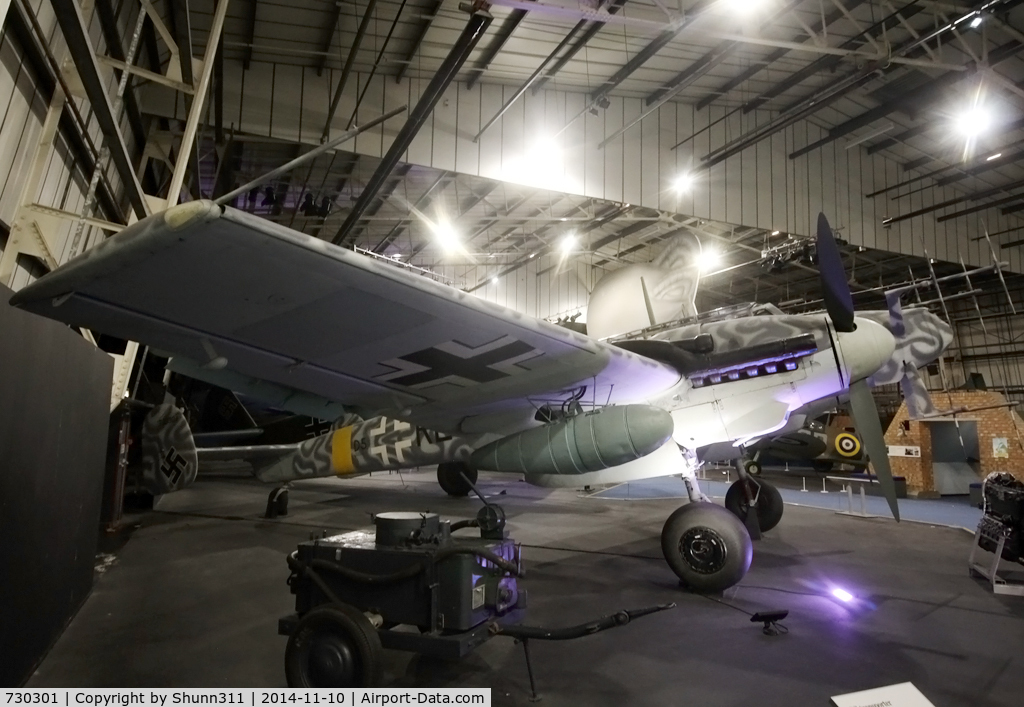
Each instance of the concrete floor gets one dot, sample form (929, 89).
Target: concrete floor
(193, 598)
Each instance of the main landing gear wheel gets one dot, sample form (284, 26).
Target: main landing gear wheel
(706, 546)
(333, 646)
(752, 467)
(449, 476)
(769, 502)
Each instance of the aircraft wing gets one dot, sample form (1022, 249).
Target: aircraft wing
(234, 297)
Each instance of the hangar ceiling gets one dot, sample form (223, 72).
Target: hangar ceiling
(866, 72)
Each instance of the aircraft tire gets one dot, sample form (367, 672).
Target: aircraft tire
(706, 546)
(450, 479)
(333, 645)
(769, 506)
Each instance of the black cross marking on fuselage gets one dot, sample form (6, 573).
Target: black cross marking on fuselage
(441, 364)
(173, 466)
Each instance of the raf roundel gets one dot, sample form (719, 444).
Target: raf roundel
(847, 444)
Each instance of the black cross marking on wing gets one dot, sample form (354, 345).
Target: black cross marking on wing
(173, 466)
(441, 364)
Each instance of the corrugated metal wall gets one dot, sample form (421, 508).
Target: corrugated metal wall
(23, 106)
(760, 187)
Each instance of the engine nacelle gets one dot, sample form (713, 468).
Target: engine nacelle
(589, 442)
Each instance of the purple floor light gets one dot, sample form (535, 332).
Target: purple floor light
(842, 594)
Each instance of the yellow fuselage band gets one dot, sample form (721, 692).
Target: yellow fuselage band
(341, 451)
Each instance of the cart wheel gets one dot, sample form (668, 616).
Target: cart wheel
(333, 646)
(449, 476)
(769, 505)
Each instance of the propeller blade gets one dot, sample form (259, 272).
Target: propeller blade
(834, 287)
(919, 403)
(865, 417)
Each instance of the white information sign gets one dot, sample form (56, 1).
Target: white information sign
(902, 695)
(898, 451)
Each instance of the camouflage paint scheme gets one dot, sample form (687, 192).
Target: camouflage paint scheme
(354, 447)
(169, 459)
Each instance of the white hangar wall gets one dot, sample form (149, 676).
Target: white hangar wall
(23, 107)
(760, 187)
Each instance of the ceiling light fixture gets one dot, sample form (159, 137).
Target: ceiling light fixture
(775, 233)
(992, 157)
(973, 121)
(683, 183)
(976, 21)
(567, 244)
(446, 235)
(708, 258)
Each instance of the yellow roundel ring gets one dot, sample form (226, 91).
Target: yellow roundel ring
(847, 444)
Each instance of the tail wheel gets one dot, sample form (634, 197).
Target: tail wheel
(706, 546)
(449, 476)
(333, 646)
(769, 503)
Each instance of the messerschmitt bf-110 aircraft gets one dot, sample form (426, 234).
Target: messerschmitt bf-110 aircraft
(438, 376)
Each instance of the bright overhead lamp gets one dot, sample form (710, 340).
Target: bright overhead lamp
(708, 258)
(495, 279)
(682, 184)
(567, 244)
(973, 121)
(446, 236)
(994, 157)
(976, 21)
(775, 233)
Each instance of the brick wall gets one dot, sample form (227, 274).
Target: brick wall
(983, 407)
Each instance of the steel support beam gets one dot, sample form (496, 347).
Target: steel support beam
(710, 59)
(112, 37)
(825, 63)
(980, 207)
(836, 90)
(497, 42)
(420, 34)
(182, 28)
(441, 183)
(72, 25)
(645, 54)
(347, 69)
(376, 64)
(460, 51)
(526, 84)
(919, 97)
(985, 194)
(581, 42)
(24, 29)
(192, 124)
(328, 38)
(250, 33)
(218, 96)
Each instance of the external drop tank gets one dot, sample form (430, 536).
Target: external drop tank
(583, 443)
